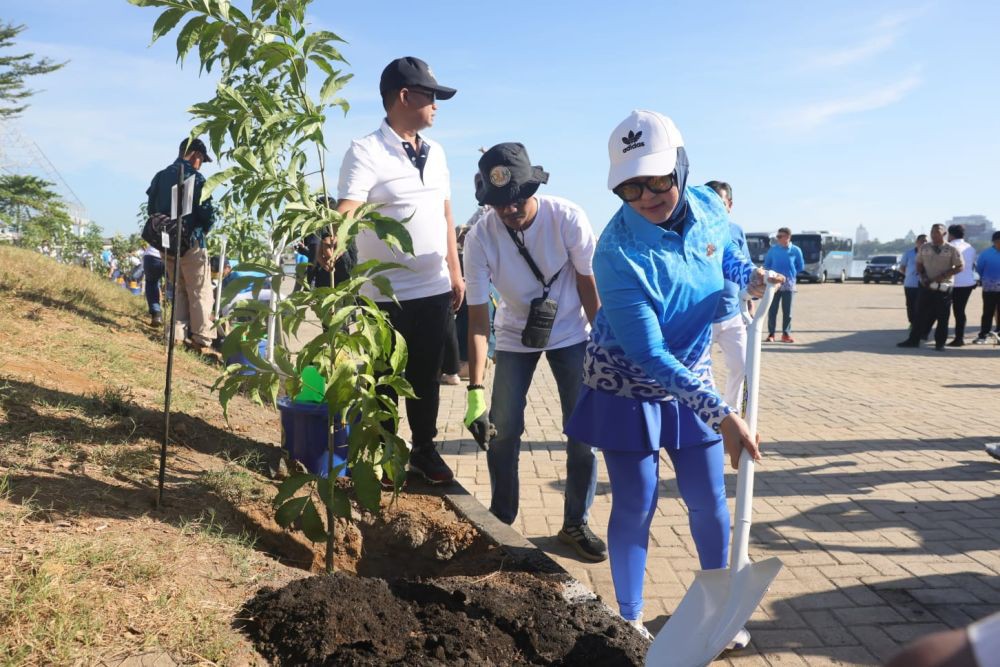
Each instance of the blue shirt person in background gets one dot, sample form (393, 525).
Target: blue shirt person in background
(911, 281)
(660, 265)
(729, 331)
(785, 258)
(988, 266)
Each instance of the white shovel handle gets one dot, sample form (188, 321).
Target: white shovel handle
(744, 480)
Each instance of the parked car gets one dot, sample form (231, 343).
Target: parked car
(883, 267)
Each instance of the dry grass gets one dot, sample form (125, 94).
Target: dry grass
(85, 574)
(81, 597)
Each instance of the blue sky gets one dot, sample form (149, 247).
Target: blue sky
(822, 115)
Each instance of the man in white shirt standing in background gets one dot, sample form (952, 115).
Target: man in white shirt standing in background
(729, 330)
(965, 282)
(407, 174)
(537, 250)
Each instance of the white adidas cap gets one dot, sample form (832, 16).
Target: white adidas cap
(644, 144)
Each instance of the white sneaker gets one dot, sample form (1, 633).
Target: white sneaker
(740, 641)
(450, 379)
(993, 449)
(980, 340)
(641, 629)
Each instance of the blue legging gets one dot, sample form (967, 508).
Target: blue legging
(634, 477)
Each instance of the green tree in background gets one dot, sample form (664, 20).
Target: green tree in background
(29, 205)
(14, 69)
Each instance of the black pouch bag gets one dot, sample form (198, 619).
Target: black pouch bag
(542, 311)
(159, 224)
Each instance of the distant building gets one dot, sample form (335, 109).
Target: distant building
(977, 227)
(861, 236)
(910, 237)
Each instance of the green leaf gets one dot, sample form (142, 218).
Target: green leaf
(399, 354)
(334, 498)
(238, 49)
(167, 21)
(215, 180)
(189, 35)
(290, 511)
(291, 486)
(367, 486)
(312, 525)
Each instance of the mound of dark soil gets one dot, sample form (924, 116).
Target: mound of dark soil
(506, 618)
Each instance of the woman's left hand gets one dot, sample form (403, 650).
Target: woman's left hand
(736, 437)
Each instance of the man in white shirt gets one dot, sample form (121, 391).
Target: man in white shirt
(537, 250)
(407, 174)
(965, 282)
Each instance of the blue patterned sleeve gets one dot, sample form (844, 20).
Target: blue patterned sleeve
(637, 330)
(735, 266)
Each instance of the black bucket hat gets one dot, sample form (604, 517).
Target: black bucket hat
(506, 175)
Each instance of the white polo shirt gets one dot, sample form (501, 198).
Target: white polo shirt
(377, 170)
(965, 277)
(559, 238)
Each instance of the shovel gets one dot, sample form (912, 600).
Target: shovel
(720, 602)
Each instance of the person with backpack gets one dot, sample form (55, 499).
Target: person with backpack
(194, 295)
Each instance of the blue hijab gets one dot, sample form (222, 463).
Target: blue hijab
(676, 220)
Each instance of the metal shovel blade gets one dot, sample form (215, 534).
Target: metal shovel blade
(715, 608)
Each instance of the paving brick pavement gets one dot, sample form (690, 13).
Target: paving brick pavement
(874, 491)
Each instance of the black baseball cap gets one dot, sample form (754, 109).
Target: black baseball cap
(409, 72)
(506, 175)
(188, 145)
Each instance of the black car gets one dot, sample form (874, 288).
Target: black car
(883, 267)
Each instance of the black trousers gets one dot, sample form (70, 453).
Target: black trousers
(422, 323)
(911, 303)
(959, 299)
(932, 305)
(991, 310)
(451, 361)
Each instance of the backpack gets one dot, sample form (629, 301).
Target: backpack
(159, 224)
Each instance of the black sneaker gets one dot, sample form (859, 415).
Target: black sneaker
(958, 342)
(908, 343)
(584, 542)
(426, 460)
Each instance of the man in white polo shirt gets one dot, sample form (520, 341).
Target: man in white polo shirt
(537, 251)
(407, 174)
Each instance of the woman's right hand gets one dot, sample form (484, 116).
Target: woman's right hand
(736, 437)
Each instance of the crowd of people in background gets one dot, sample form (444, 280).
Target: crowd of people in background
(938, 281)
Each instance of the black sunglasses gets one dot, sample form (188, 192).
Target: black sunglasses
(429, 94)
(632, 190)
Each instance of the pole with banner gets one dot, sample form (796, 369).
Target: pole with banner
(181, 200)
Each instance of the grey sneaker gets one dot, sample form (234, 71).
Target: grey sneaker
(584, 542)
(993, 449)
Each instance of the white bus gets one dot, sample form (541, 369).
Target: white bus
(758, 244)
(827, 256)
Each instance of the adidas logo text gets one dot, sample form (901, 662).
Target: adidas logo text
(631, 141)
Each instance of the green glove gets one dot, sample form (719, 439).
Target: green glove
(476, 418)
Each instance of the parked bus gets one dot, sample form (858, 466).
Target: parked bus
(827, 256)
(758, 244)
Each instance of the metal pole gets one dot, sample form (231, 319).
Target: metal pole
(171, 336)
(222, 271)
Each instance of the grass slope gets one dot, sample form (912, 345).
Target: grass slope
(90, 571)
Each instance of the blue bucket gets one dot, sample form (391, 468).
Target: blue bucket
(240, 358)
(304, 435)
